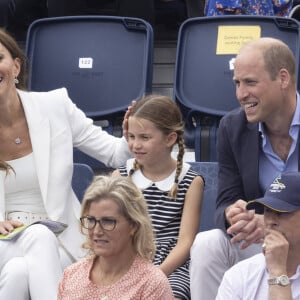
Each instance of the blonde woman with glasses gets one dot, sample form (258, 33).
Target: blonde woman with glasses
(120, 244)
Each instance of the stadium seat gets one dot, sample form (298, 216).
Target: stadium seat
(105, 62)
(203, 85)
(81, 179)
(209, 171)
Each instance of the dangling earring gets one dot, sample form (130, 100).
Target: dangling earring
(16, 80)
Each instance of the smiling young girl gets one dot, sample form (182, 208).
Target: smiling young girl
(172, 190)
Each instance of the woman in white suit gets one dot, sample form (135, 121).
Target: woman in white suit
(38, 131)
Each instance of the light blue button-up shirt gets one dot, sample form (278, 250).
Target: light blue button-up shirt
(270, 164)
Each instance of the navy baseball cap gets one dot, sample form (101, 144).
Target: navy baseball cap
(283, 195)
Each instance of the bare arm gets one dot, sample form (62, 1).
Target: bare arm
(188, 227)
(116, 173)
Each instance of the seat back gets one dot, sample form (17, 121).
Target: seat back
(203, 85)
(81, 179)
(209, 171)
(105, 62)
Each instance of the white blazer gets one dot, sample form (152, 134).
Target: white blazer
(56, 125)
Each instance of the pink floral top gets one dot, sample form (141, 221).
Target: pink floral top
(143, 281)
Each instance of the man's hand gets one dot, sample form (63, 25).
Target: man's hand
(275, 249)
(246, 226)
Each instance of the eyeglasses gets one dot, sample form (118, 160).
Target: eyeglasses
(107, 224)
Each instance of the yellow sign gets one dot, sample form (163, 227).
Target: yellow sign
(232, 38)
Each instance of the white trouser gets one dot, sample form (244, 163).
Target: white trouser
(30, 265)
(14, 280)
(212, 254)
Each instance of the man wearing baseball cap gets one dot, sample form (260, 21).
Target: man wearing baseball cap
(274, 273)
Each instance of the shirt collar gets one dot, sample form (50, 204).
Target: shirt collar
(164, 185)
(295, 120)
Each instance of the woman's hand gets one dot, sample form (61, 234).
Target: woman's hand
(8, 226)
(125, 120)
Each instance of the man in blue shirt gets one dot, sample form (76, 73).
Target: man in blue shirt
(256, 143)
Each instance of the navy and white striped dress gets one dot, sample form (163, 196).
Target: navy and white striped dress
(166, 215)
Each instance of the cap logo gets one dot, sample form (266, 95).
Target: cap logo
(277, 186)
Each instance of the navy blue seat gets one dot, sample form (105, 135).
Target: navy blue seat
(81, 179)
(105, 62)
(209, 171)
(203, 85)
